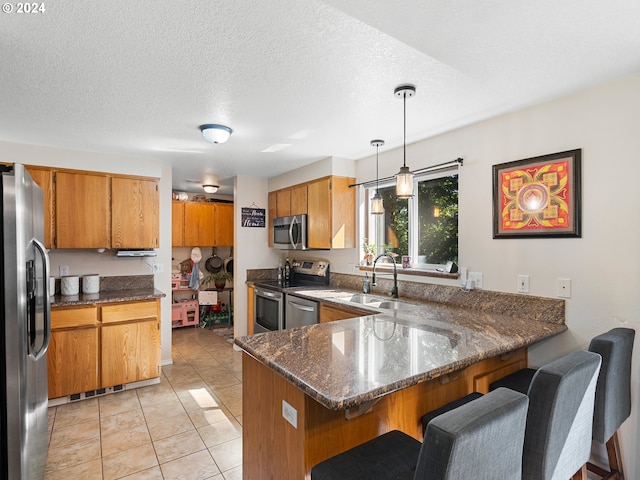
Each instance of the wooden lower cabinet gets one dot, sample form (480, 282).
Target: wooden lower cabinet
(72, 361)
(99, 346)
(130, 352)
(331, 313)
(322, 433)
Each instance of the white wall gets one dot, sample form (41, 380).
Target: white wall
(106, 264)
(603, 265)
(251, 245)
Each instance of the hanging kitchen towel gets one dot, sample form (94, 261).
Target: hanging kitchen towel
(194, 280)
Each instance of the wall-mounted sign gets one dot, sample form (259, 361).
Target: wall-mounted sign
(253, 217)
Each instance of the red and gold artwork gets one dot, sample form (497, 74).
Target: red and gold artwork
(537, 196)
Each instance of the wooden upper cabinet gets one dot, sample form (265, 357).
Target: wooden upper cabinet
(273, 200)
(134, 213)
(283, 203)
(331, 221)
(43, 177)
(299, 200)
(82, 210)
(223, 227)
(177, 224)
(199, 218)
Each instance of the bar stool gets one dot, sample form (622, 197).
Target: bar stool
(482, 440)
(613, 394)
(557, 441)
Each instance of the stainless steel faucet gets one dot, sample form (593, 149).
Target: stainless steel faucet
(394, 290)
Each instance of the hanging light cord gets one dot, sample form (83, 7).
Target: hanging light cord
(404, 140)
(377, 176)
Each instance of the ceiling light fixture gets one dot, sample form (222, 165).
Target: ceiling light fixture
(404, 178)
(214, 133)
(377, 207)
(210, 188)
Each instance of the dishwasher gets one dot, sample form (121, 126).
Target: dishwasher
(300, 311)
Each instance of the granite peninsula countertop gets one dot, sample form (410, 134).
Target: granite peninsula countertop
(345, 363)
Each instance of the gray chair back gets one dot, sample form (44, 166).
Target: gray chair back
(613, 391)
(482, 440)
(559, 422)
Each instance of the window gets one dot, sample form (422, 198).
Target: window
(424, 227)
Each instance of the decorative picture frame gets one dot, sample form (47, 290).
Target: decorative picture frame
(538, 196)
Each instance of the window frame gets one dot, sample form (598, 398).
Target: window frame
(371, 221)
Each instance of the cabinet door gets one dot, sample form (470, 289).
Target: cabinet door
(223, 229)
(134, 213)
(250, 309)
(130, 352)
(319, 211)
(199, 219)
(82, 211)
(44, 179)
(72, 361)
(299, 200)
(272, 214)
(177, 224)
(283, 203)
(331, 313)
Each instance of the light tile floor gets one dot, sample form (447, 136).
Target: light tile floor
(187, 427)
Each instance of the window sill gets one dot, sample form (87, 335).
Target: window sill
(420, 272)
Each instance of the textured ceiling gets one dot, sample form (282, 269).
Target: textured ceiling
(138, 78)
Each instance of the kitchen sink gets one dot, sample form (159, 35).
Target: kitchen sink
(389, 305)
(361, 298)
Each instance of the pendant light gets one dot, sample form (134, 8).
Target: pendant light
(377, 207)
(404, 178)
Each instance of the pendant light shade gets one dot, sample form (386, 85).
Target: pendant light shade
(377, 207)
(404, 178)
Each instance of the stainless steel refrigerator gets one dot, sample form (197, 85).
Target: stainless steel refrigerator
(24, 328)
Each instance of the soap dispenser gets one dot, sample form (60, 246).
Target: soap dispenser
(366, 284)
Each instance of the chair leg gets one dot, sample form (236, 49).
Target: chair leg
(615, 461)
(581, 474)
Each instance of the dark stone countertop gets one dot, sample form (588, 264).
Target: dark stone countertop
(345, 363)
(106, 297)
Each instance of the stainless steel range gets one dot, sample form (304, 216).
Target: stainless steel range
(274, 309)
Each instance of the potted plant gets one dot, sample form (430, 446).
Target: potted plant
(219, 279)
(369, 250)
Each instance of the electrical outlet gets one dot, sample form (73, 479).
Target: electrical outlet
(564, 287)
(523, 283)
(64, 270)
(156, 267)
(476, 277)
(351, 267)
(290, 414)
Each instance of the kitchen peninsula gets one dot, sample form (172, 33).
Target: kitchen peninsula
(312, 392)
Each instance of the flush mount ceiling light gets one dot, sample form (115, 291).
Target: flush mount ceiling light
(404, 178)
(214, 133)
(210, 188)
(377, 207)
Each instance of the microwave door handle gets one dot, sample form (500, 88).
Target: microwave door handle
(294, 243)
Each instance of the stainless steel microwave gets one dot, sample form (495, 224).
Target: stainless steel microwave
(290, 233)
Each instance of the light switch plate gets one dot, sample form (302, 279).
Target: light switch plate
(523, 283)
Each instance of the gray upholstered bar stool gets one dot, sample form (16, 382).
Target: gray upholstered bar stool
(613, 394)
(482, 440)
(561, 403)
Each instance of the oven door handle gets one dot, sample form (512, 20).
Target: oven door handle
(263, 293)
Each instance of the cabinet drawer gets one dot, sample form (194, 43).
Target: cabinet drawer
(122, 312)
(74, 317)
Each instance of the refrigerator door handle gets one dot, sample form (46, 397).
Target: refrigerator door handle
(46, 308)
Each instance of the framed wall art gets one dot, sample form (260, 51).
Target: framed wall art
(538, 197)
